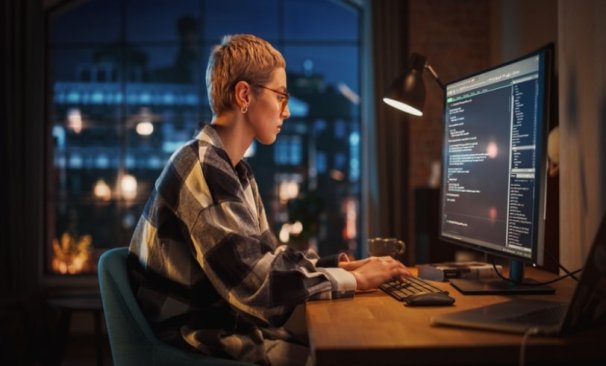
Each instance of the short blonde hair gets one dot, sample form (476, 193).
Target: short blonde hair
(240, 57)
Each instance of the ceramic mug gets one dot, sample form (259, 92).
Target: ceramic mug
(380, 247)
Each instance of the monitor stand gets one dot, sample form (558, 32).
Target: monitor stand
(498, 286)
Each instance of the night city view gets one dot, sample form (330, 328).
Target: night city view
(127, 89)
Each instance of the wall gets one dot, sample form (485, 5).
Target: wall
(517, 28)
(22, 310)
(578, 30)
(458, 37)
(582, 54)
(455, 38)
(521, 26)
(462, 37)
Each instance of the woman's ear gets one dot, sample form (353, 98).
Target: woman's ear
(242, 95)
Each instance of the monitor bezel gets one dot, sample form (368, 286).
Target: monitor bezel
(537, 252)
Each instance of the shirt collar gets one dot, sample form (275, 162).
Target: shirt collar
(209, 135)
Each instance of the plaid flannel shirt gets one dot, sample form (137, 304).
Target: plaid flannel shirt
(207, 271)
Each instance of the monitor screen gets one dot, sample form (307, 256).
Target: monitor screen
(494, 158)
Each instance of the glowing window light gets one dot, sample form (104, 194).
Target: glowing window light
(296, 228)
(75, 161)
(145, 98)
(73, 97)
(128, 220)
(285, 233)
(354, 138)
(337, 175)
(287, 229)
(128, 187)
(288, 190)
(169, 98)
(97, 97)
(348, 93)
(144, 128)
(102, 190)
(102, 161)
(129, 161)
(350, 208)
(59, 135)
(191, 99)
(154, 162)
(74, 120)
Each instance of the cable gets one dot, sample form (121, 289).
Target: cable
(530, 332)
(552, 257)
(570, 274)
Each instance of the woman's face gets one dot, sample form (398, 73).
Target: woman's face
(270, 108)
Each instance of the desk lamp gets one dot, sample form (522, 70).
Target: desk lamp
(407, 93)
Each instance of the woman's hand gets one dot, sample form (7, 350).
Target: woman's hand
(376, 270)
(352, 265)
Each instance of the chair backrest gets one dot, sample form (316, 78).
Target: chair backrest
(130, 335)
(131, 338)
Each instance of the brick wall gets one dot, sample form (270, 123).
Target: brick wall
(461, 37)
(455, 37)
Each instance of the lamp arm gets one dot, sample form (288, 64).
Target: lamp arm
(435, 76)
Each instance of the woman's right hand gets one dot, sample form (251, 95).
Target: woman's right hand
(353, 265)
(377, 270)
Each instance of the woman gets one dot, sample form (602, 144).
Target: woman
(206, 269)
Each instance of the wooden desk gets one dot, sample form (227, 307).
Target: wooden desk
(374, 329)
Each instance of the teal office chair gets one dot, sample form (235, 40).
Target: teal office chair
(130, 336)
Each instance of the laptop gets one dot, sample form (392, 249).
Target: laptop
(586, 308)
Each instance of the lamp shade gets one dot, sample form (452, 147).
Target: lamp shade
(407, 93)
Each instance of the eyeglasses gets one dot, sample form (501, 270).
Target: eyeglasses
(283, 102)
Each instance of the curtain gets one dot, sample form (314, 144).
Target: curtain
(389, 196)
(582, 107)
(22, 144)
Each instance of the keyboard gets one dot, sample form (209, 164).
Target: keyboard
(400, 290)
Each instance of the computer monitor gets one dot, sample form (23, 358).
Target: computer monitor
(494, 166)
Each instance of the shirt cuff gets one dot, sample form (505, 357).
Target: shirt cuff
(328, 261)
(343, 282)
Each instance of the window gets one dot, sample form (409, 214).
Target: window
(127, 82)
